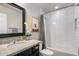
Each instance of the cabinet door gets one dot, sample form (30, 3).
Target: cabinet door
(25, 53)
(35, 50)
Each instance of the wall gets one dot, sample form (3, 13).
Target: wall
(77, 26)
(31, 13)
(30, 23)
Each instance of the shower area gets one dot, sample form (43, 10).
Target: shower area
(61, 28)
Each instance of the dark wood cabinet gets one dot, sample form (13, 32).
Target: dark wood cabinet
(33, 51)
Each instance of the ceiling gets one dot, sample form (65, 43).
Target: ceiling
(40, 8)
(46, 7)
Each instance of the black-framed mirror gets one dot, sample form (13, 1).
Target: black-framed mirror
(12, 18)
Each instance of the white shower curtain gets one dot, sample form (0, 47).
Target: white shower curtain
(60, 31)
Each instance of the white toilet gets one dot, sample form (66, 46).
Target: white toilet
(46, 52)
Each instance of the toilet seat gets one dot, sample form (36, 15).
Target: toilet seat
(46, 52)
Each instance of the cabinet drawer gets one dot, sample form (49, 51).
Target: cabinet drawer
(35, 53)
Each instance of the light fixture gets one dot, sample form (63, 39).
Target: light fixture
(56, 7)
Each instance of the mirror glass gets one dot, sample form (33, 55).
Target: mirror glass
(10, 19)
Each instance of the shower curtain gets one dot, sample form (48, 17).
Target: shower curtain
(42, 32)
(62, 29)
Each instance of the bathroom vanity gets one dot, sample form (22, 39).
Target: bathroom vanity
(32, 51)
(22, 48)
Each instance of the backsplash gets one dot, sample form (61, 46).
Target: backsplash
(11, 39)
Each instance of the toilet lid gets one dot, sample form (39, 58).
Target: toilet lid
(46, 52)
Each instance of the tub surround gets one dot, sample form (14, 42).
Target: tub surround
(13, 49)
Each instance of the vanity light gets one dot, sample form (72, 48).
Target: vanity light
(56, 7)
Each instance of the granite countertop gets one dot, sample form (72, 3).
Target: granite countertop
(13, 49)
